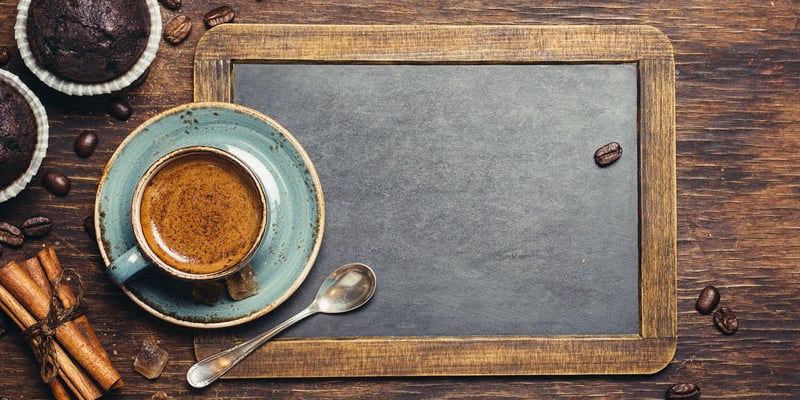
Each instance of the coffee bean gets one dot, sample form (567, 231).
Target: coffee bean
(608, 154)
(4, 55)
(85, 144)
(177, 29)
(118, 108)
(88, 225)
(219, 15)
(10, 234)
(683, 391)
(37, 226)
(171, 4)
(708, 300)
(726, 321)
(57, 183)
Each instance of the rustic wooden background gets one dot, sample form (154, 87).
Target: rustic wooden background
(738, 145)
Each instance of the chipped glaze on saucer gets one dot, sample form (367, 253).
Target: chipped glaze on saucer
(287, 175)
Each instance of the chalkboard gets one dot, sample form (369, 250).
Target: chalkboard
(469, 185)
(471, 190)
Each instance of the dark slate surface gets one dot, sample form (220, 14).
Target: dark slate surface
(472, 192)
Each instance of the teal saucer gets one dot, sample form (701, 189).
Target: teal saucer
(289, 179)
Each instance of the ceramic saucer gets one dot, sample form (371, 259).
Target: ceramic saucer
(288, 177)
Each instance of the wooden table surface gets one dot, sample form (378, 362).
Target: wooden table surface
(738, 147)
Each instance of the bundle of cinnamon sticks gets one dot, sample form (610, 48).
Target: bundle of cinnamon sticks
(28, 290)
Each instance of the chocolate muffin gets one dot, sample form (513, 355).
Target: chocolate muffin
(87, 41)
(17, 134)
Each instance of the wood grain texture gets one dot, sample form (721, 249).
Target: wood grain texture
(497, 44)
(220, 49)
(738, 192)
(449, 356)
(658, 217)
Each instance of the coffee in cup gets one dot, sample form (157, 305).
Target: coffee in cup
(198, 213)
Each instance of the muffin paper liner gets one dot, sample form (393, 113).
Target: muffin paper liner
(88, 89)
(42, 134)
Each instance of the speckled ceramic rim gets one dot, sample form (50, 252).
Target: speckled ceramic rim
(175, 156)
(320, 215)
(42, 134)
(88, 89)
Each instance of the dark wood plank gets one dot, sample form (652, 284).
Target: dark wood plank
(738, 186)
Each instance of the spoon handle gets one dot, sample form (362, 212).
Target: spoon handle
(212, 367)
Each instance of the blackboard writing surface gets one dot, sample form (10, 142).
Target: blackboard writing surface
(471, 190)
(465, 152)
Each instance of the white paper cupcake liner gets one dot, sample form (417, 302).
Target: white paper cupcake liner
(88, 89)
(42, 134)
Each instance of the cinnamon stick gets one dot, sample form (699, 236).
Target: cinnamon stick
(81, 385)
(14, 278)
(59, 390)
(35, 271)
(48, 262)
(52, 267)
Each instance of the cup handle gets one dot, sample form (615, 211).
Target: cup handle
(127, 265)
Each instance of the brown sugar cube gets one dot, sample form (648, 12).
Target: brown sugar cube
(151, 360)
(208, 292)
(242, 284)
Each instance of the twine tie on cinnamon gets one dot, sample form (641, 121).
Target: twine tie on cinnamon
(44, 330)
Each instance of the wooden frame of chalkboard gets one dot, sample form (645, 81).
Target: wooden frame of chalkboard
(649, 351)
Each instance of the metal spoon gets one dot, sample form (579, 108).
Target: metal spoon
(345, 289)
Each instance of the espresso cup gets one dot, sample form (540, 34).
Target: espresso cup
(198, 213)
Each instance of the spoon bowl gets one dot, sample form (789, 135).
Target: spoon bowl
(345, 289)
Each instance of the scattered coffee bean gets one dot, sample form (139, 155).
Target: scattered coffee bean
(726, 321)
(708, 300)
(88, 225)
(4, 55)
(608, 154)
(37, 226)
(10, 234)
(161, 395)
(683, 391)
(57, 183)
(177, 29)
(85, 143)
(118, 108)
(171, 4)
(219, 15)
